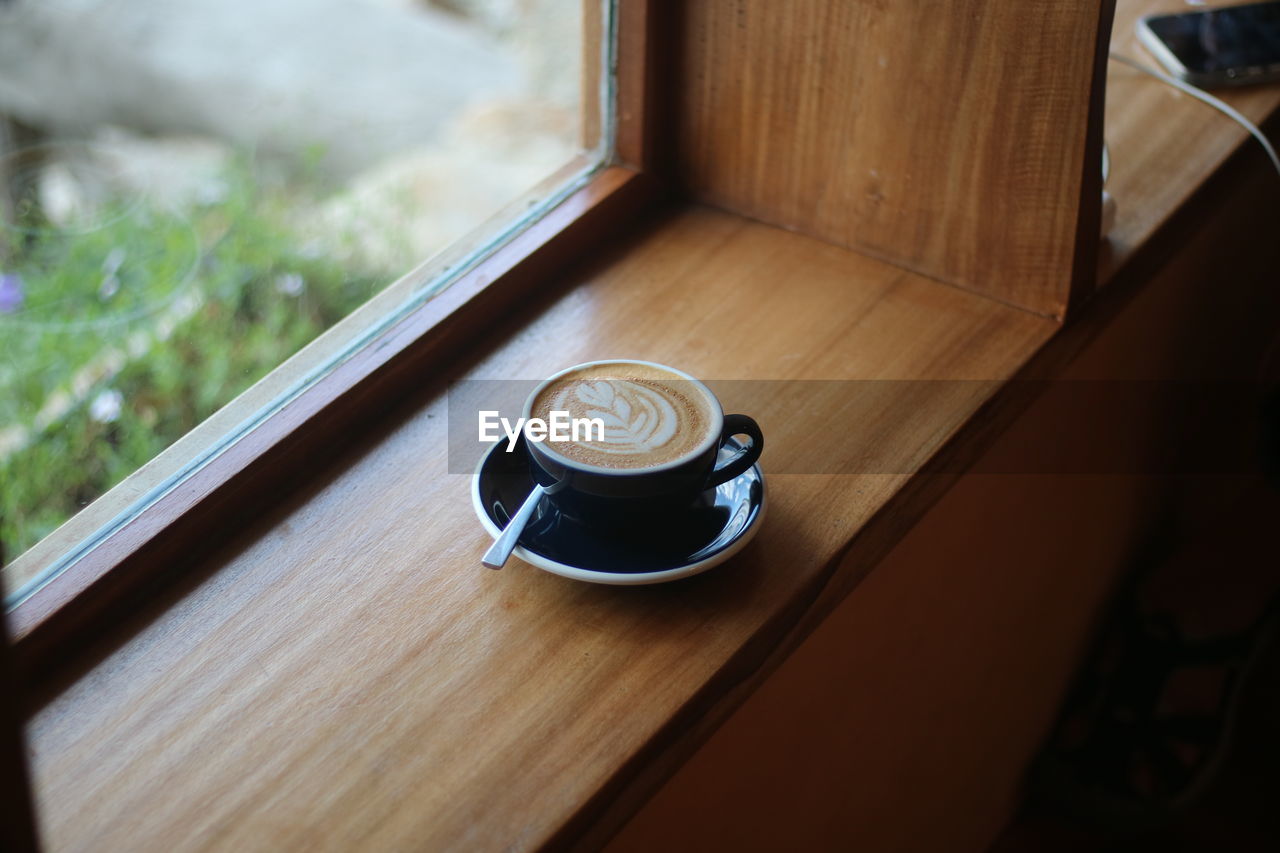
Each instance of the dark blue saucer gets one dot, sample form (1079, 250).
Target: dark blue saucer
(719, 526)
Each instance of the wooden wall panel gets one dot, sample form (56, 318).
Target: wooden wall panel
(950, 139)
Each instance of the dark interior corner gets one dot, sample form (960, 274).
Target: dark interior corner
(1169, 739)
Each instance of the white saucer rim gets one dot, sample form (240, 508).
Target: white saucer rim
(622, 578)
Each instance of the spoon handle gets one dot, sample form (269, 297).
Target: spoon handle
(502, 547)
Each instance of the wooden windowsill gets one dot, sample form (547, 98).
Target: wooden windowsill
(346, 674)
(350, 656)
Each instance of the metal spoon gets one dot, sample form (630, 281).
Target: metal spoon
(502, 547)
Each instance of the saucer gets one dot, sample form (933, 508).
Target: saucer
(703, 538)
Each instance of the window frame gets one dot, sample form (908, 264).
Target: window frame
(257, 471)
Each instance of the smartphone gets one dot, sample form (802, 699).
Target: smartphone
(1226, 46)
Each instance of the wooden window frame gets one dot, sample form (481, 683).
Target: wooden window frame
(256, 471)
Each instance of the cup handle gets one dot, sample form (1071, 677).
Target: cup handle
(737, 425)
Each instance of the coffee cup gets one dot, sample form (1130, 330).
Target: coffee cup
(654, 440)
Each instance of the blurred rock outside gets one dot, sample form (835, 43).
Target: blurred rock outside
(427, 117)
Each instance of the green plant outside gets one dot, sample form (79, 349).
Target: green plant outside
(202, 306)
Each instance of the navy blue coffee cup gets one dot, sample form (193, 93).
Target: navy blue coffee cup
(617, 495)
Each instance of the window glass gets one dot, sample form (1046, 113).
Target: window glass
(192, 190)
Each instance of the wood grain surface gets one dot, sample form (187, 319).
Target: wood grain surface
(947, 138)
(640, 85)
(348, 674)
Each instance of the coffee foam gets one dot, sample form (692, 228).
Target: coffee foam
(651, 416)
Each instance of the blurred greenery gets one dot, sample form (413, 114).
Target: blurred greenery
(134, 331)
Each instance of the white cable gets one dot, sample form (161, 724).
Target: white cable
(1203, 96)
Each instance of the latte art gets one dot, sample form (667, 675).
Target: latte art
(637, 419)
(650, 416)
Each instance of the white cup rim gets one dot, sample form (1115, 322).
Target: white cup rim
(713, 435)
